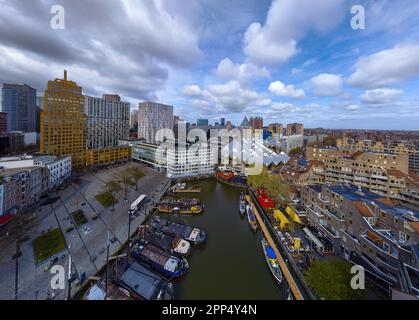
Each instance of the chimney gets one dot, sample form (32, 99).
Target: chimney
(65, 75)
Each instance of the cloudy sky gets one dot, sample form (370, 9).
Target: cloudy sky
(285, 60)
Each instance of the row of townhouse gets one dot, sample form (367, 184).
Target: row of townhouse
(368, 230)
(25, 180)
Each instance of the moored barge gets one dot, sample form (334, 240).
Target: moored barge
(158, 259)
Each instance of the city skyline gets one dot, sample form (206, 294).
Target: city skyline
(316, 70)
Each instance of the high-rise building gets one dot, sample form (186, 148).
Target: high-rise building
(223, 121)
(11, 142)
(63, 122)
(3, 122)
(152, 117)
(133, 119)
(107, 121)
(295, 128)
(19, 102)
(112, 97)
(256, 123)
(202, 122)
(229, 125)
(276, 129)
(39, 107)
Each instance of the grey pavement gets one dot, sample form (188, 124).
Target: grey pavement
(87, 243)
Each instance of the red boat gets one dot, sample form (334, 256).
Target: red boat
(264, 200)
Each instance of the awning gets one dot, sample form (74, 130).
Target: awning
(313, 238)
(5, 219)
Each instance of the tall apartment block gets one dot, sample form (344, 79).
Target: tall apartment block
(3, 122)
(19, 102)
(133, 119)
(256, 123)
(202, 122)
(152, 117)
(295, 128)
(63, 122)
(276, 129)
(107, 121)
(412, 149)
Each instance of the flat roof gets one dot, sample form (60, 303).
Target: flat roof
(142, 281)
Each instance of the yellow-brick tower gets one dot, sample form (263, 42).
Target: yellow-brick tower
(63, 121)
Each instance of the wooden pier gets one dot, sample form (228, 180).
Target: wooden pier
(188, 190)
(285, 271)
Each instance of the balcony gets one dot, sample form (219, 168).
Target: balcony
(377, 243)
(330, 233)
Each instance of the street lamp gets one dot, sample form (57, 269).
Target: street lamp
(129, 234)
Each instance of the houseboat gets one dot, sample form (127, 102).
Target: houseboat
(172, 244)
(159, 260)
(193, 235)
(181, 206)
(251, 218)
(242, 204)
(271, 260)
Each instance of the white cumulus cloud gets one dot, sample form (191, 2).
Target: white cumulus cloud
(380, 96)
(386, 67)
(286, 23)
(289, 91)
(245, 72)
(326, 84)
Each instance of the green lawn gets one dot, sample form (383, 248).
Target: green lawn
(330, 279)
(48, 244)
(79, 217)
(106, 199)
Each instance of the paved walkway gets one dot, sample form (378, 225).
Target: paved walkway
(285, 271)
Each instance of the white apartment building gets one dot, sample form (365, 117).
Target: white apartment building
(291, 142)
(59, 169)
(152, 117)
(107, 121)
(190, 160)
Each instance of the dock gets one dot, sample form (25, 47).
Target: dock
(188, 190)
(284, 268)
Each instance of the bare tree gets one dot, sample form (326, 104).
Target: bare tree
(127, 182)
(112, 187)
(137, 174)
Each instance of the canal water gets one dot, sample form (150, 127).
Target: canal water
(231, 264)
